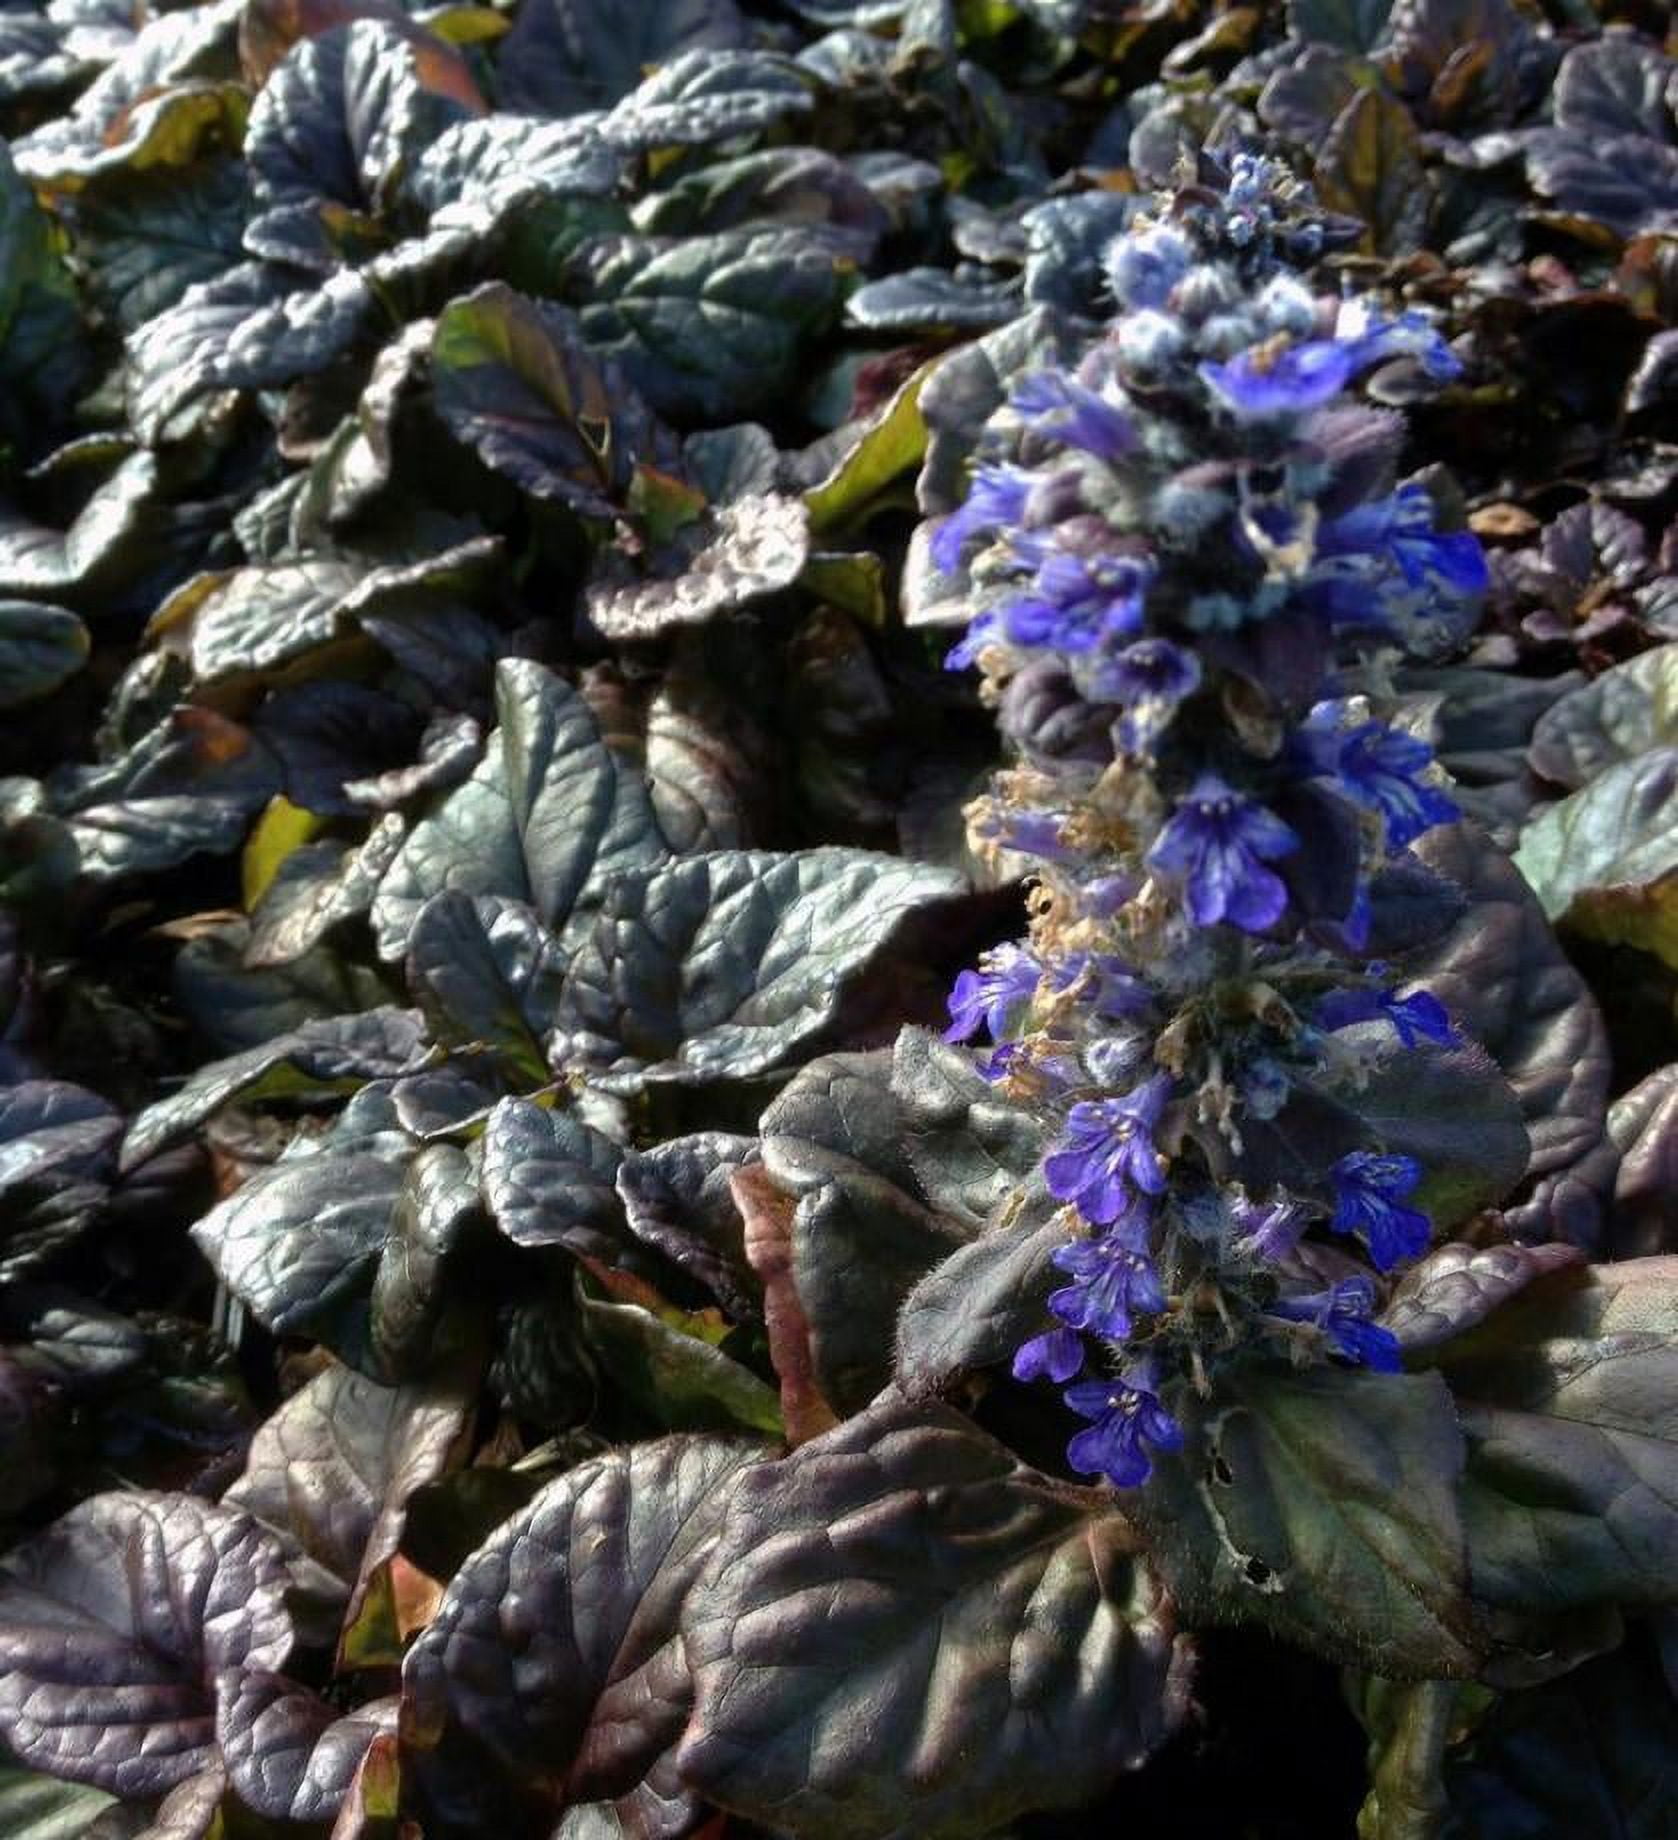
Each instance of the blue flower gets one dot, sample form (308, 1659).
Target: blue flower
(1343, 1313)
(1381, 768)
(1369, 1192)
(1419, 1016)
(1076, 603)
(994, 995)
(1372, 340)
(1218, 842)
(1108, 1151)
(1397, 531)
(1108, 986)
(1267, 381)
(1111, 1279)
(1062, 409)
(1056, 1356)
(1128, 1416)
(1148, 679)
(995, 498)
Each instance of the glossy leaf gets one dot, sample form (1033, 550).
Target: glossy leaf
(721, 965)
(115, 1623)
(901, 1629)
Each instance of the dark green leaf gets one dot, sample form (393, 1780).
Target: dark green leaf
(1353, 25)
(1595, 1752)
(548, 1180)
(1323, 1505)
(1507, 983)
(677, 1198)
(511, 378)
(40, 647)
(547, 817)
(680, 1380)
(487, 973)
(1605, 861)
(932, 300)
(331, 1056)
(720, 966)
(902, 1630)
(1614, 718)
(712, 327)
(704, 96)
(147, 240)
(564, 56)
(317, 887)
(43, 1808)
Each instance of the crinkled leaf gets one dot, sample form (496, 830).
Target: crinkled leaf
(1066, 239)
(114, 1625)
(548, 1180)
(1643, 1124)
(40, 647)
(1370, 168)
(487, 973)
(969, 1149)
(712, 327)
(1617, 84)
(146, 242)
(330, 1473)
(1505, 981)
(933, 300)
(315, 889)
(1324, 1505)
(556, 1648)
(727, 557)
(51, 1132)
(721, 965)
(902, 1630)
(704, 96)
(548, 815)
(511, 378)
(1456, 1287)
(336, 1055)
(290, 1755)
(677, 1198)
(1568, 1395)
(1605, 860)
(564, 56)
(346, 1247)
(1614, 718)
(1627, 182)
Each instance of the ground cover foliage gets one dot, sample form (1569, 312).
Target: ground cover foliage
(513, 1316)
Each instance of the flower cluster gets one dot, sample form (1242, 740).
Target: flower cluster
(1189, 561)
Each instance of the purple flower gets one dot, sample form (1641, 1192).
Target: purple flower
(1056, 1356)
(1059, 407)
(1106, 984)
(1343, 1313)
(995, 498)
(1149, 679)
(1111, 1279)
(1128, 1416)
(1369, 1192)
(1381, 768)
(992, 996)
(1030, 833)
(1108, 1146)
(1076, 603)
(1263, 382)
(1146, 264)
(1269, 1228)
(1419, 1016)
(1218, 842)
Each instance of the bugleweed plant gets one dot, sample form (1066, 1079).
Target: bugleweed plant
(770, 1068)
(1188, 578)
